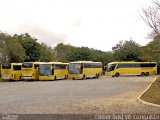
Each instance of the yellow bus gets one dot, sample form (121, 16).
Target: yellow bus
(53, 71)
(84, 69)
(116, 69)
(30, 70)
(11, 71)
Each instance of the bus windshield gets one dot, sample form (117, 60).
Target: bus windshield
(27, 65)
(45, 69)
(111, 67)
(74, 68)
(16, 67)
(6, 66)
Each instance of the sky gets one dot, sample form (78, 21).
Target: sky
(98, 24)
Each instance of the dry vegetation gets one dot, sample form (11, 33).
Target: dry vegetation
(153, 93)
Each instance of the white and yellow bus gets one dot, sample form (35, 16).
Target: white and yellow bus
(116, 69)
(53, 71)
(30, 70)
(11, 71)
(84, 69)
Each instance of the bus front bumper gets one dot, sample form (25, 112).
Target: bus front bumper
(46, 78)
(75, 76)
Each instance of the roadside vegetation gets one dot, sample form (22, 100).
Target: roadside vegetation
(152, 95)
(24, 47)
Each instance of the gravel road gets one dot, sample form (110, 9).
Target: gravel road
(103, 95)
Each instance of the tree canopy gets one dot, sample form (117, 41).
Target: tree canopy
(126, 51)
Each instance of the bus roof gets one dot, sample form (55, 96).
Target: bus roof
(34, 62)
(123, 62)
(84, 62)
(16, 63)
(55, 63)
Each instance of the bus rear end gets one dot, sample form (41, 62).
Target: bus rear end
(6, 71)
(16, 71)
(29, 71)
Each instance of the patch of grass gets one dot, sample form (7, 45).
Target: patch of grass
(152, 95)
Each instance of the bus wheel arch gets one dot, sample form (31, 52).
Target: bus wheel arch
(84, 76)
(142, 74)
(147, 74)
(117, 74)
(97, 75)
(66, 76)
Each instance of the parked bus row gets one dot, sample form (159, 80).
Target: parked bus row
(50, 70)
(73, 70)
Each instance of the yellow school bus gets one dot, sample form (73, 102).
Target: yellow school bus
(116, 69)
(53, 71)
(84, 69)
(11, 71)
(30, 70)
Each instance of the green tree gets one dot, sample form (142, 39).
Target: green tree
(68, 53)
(47, 53)
(79, 54)
(151, 52)
(11, 50)
(31, 46)
(127, 51)
(62, 51)
(4, 53)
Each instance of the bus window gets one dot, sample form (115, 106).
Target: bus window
(45, 69)
(16, 67)
(111, 67)
(6, 66)
(27, 65)
(74, 68)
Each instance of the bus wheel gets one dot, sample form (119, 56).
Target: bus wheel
(84, 77)
(97, 75)
(55, 78)
(73, 78)
(147, 73)
(142, 74)
(65, 77)
(117, 74)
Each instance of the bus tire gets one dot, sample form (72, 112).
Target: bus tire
(65, 77)
(84, 77)
(142, 74)
(97, 75)
(147, 74)
(117, 75)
